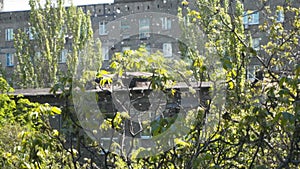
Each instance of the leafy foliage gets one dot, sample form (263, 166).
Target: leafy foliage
(55, 33)
(27, 140)
(258, 126)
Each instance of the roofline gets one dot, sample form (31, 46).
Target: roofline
(28, 10)
(46, 91)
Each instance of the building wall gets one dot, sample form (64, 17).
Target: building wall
(12, 21)
(1, 5)
(130, 11)
(260, 37)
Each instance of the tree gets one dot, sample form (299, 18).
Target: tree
(259, 125)
(53, 29)
(27, 140)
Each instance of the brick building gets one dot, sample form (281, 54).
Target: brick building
(128, 24)
(122, 25)
(258, 13)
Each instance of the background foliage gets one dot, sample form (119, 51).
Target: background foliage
(258, 126)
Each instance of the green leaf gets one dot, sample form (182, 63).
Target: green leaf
(276, 118)
(288, 116)
(192, 90)
(180, 142)
(230, 85)
(56, 110)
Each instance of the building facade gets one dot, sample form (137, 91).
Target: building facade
(260, 13)
(129, 24)
(122, 25)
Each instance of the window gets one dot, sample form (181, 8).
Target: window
(28, 31)
(144, 28)
(9, 59)
(102, 28)
(148, 48)
(256, 43)
(279, 16)
(125, 27)
(125, 48)
(146, 133)
(186, 20)
(105, 53)
(166, 23)
(63, 56)
(107, 143)
(38, 54)
(167, 49)
(9, 34)
(251, 18)
(251, 72)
